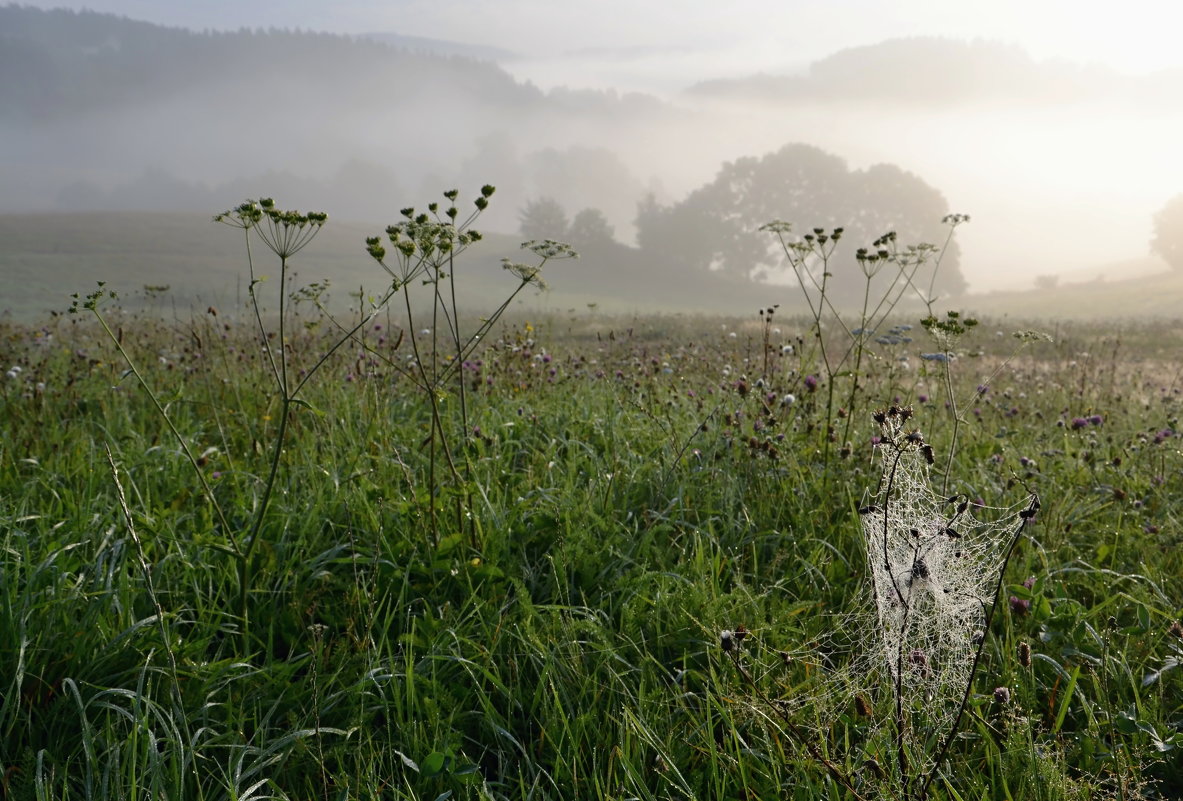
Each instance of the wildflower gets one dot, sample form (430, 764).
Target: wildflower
(1019, 606)
(1002, 695)
(935, 357)
(811, 382)
(1078, 423)
(1025, 654)
(788, 400)
(1096, 420)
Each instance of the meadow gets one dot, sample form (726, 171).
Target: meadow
(610, 557)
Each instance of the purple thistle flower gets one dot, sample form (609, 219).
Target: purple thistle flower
(811, 382)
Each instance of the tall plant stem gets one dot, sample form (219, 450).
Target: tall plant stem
(948, 375)
(168, 421)
(244, 560)
(858, 358)
(1024, 519)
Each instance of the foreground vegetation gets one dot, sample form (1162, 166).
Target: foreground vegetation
(283, 554)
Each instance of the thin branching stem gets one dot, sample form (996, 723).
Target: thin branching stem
(168, 421)
(1024, 518)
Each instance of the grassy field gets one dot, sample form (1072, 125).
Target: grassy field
(254, 550)
(45, 257)
(546, 621)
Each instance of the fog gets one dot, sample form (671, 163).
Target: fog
(1061, 163)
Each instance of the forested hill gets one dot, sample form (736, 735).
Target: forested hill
(99, 112)
(61, 63)
(932, 72)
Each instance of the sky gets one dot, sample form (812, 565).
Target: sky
(1022, 172)
(653, 42)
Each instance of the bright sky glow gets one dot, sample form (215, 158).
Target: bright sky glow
(742, 36)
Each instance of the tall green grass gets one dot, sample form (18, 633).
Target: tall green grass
(634, 493)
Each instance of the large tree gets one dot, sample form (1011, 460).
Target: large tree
(1168, 233)
(716, 227)
(543, 218)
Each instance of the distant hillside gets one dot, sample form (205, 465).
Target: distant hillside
(930, 71)
(440, 47)
(99, 112)
(46, 257)
(1158, 296)
(64, 63)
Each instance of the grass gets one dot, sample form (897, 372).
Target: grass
(47, 256)
(631, 499)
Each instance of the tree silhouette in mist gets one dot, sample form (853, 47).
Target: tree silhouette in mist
(1168, 233)
(715, 227)
(543, 218)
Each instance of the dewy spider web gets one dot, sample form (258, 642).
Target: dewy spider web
(904, 662)
(934, 569)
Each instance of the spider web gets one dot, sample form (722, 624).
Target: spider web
(901, 663)
(934, 564)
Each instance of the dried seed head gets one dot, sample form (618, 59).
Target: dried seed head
(1025, 654)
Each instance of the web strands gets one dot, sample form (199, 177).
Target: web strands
(934, 567)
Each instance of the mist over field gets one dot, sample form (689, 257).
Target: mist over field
(663, 157)
(596, 399)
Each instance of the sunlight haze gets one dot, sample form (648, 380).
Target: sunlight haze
(1060, 136)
